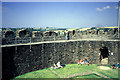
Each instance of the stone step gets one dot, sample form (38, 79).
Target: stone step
(104, 61)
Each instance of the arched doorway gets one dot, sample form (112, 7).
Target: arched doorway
(9, 34)
(67, 36)
(73, 32)
(104, 55)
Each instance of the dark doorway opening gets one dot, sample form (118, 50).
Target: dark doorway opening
(104, 54)
(50, 33)
(23, 33)
(9, 34)
(67, 36)
(73, 32)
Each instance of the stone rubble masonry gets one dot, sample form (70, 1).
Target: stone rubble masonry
(37, 36)
(22, 59)
(23, 33)
(8, 34)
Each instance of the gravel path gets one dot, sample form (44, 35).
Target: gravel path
(104, 68)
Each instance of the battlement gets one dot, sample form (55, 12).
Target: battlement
(27, 36)
(8, 34)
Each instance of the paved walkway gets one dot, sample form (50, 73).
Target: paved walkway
(100, 75)
(58, 41)
(80, 74)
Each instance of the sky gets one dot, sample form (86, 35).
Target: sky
(59, 14)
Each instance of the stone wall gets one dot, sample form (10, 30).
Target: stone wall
(8, 34)
(36, 36)
(23, 33)
(18, 60)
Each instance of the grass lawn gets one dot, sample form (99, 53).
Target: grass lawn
(88, 76)
(71, 69)
(44, 73)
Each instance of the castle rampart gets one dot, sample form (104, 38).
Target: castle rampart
(29, 51)
(25, 36)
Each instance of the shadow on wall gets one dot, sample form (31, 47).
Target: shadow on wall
(8, 68)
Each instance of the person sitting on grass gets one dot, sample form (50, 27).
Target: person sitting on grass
(81, 61)
(58, 65)
(78, 61)
(85, 61)
(55, 67)
(63, 65)
(118, 66)
(88, 63)
(113, 66)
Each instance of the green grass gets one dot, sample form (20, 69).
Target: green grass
(75, 68)
(88, 76)
(45, 73)
(71, 69)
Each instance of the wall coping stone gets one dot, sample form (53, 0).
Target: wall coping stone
(60, 41)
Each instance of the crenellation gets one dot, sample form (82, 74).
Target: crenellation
(94, 32)
(8, 34)
(84, 32)
(110, 32)
(89, 32)
(49, 33)
(36, 34)
(23, 33)
(101, 32)
(26, 36)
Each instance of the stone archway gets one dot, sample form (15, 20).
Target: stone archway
(23, 33)
(8, 34)
(104, 54)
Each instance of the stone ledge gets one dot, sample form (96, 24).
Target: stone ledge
(60, 41)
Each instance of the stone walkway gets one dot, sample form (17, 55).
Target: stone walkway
(58, 41)
(80, 74)
(100, 75)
